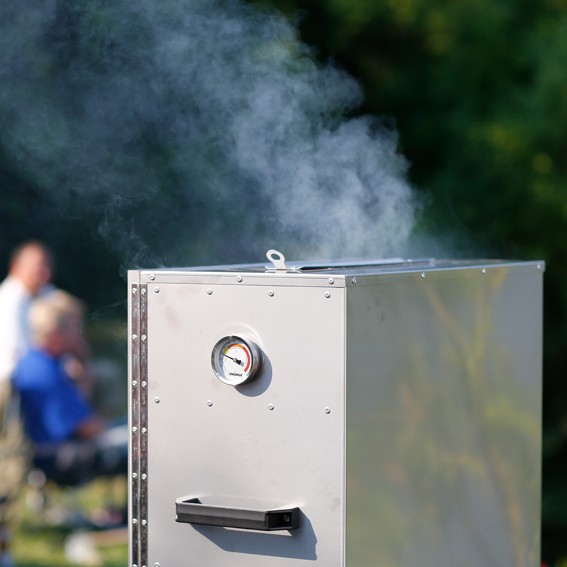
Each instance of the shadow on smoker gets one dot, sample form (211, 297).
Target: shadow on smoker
(258, 386)
(296, 544)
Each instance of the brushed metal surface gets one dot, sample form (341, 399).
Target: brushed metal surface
(444, 420)
(237, 448)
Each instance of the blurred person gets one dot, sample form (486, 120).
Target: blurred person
(29, 273)
(71, 442)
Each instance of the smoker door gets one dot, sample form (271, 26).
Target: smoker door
(276, 443)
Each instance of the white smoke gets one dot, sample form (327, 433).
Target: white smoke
(190, 128)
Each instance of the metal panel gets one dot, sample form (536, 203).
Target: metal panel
(444, 419)
(133, 413)
(138, 454)
(275, 443)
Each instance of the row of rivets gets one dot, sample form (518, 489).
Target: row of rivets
(271, 406)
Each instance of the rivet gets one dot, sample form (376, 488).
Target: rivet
(144, 384)
(271, 293)
(422, 275)
(353, 280)
(134, 475)
(156, 564)
(134, 521)
(210, 403)
(327, 294)
(144, 522)
(144, 338)
(134, 382)
(134, 290)
(134, 429)
(239, 278)
(152, 277)
(539, 267)
(134, 337)
(331, 281)
(270, 407)
(156, 289)
(327, 410)
(157, 400)
(144, 476)
(484, 271)
(209, 291)
(143, 291)
(144, 430)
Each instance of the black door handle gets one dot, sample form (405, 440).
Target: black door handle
(193, 511)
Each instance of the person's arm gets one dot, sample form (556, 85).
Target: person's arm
(91, 427)
(10, 339)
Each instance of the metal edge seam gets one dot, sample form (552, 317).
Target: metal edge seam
(134, 423)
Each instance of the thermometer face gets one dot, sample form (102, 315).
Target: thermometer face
(235, 360)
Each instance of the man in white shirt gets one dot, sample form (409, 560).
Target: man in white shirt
(29, 272)
(28, 275)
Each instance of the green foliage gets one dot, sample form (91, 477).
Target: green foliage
(478, 89)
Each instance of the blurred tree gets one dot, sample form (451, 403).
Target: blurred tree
(478, 89)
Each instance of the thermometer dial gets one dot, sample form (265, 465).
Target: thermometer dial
(236, 360)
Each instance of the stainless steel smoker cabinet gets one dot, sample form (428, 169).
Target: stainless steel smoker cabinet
(377, 415)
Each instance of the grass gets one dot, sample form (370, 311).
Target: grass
(39, 541)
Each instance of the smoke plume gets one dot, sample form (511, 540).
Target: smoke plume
(196, 129)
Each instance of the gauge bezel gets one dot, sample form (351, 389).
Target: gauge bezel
(216, 360)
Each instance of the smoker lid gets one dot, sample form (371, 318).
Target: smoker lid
(341, 267)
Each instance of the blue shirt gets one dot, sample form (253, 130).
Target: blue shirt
(52, 405)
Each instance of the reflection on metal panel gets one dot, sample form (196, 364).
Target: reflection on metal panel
(443, 421)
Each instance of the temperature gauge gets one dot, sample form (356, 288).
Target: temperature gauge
(236, 360)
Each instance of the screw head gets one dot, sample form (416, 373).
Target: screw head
(134, 337)
(152, 277)
(156, 289)
(134, 382)
(331, 281)
(327, 410)
(134, 521)
(210, 403)
(209, 291)
(353, 280)
(422, 275)
(239, 278)
(134, 290)
(134, 429)
(484, 271)
(271, 293)
(134, 475)
(327, 294)
(270, 407)
(157, 400)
